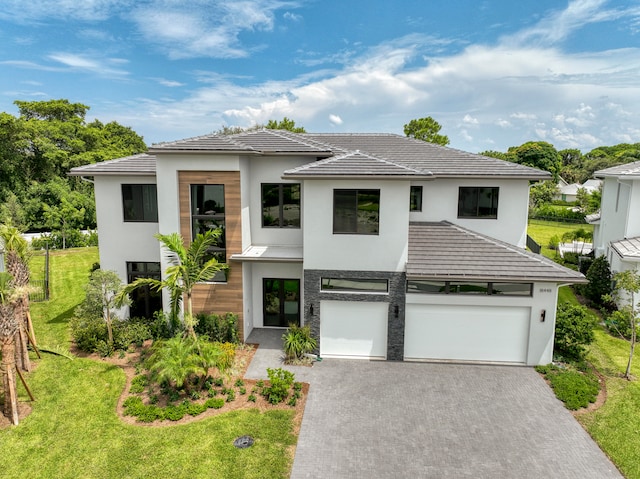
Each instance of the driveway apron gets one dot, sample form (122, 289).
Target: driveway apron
(378, 419)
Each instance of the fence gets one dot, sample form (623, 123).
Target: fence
(39, 290)
(533, 246)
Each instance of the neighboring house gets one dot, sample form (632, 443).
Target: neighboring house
(569, 193)
(616, 231)
(388, 247)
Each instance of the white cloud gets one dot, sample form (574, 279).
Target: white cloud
(168, 83)
(34, 10)
(469, 120)
(335, 119)
(102, 67)
(294, 17)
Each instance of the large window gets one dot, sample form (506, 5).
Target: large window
(207, 213)
(281, 205)
(144, 300)
(415, 203)
(352, 285)
(356, 211)
(469, 287)
(140, 203)
(478, 202)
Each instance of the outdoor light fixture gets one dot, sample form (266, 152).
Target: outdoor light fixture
(311, 310)
(396, 310)
(543, 315)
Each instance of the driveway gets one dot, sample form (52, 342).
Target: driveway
(377, 419)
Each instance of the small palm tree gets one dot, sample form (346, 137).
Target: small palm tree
(190, 265)
(8, 328)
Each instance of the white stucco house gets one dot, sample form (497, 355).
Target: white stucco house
(388, 247)
(569, 192)
(616, 232)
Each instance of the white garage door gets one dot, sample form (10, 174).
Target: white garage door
(466, 333)
(353, 329)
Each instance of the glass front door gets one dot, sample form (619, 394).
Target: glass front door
(281, 300)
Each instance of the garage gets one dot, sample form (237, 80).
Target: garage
(466, 333)
(353, 329)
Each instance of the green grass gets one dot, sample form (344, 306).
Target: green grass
(74, 432)
(616, 425)
(542, 231)
(69, 273)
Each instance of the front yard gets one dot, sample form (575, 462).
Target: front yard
(73, 430)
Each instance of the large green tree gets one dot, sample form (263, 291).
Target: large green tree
(40, 146)
(538, 154)
(284, 124)
(426, 129)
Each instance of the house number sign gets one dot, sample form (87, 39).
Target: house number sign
(545, 290)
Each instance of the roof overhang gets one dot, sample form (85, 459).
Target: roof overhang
(279, 254)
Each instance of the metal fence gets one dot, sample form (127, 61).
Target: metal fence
(533, 246)
(39, 290)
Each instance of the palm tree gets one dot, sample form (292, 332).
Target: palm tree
(190, 265)
(8, 328)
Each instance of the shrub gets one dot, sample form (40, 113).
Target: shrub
(231, 395)
(222, 328)
(214, 403)
(574, 330)
(619, 323)
(89, 331)
(164, 326)
(554, 242)
(576, 390)
(297, 342)
(138, 383)
(174, 413)
(280, 381)
(549, 212)
(225, 361)
(252, 398)
(195, 409)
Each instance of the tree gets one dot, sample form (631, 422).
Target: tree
(103, 296)
(589, 202)
(599, 285)
(542, 193)
(426, 129)
(190, 265)
(538, 154)
(626, 286)
(8, 329)
(284, 124)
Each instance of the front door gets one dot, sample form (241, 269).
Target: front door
(281, 300)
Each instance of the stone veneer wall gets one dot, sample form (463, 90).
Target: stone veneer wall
(395, 297)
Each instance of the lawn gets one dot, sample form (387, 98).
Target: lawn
(542, 231)
(616, 425)
(74, 432)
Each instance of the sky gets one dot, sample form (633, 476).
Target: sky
(493, 73)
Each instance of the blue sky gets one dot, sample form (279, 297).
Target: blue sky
(494, 73)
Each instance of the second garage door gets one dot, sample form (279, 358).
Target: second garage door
(467, 333)
(355, 329)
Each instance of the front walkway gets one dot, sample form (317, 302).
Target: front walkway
(380, 419)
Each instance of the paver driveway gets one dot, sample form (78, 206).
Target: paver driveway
(376, 419)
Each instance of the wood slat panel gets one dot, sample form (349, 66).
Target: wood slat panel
(219, 297)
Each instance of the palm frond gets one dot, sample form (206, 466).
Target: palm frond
(174, 243)
(199, 248)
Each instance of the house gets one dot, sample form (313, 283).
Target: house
(388, 247)
(569, 192)
(616, 231)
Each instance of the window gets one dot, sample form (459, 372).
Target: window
(140, 203)
(468, 287)
(415, 203)
(356, 211)
(478, 202)
(281, 205)
(207, 213)
(352, 285)
(144, 301)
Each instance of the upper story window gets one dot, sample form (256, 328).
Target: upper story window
(140, 203)
(415, 203)
(469, 287)
(356, 211)
(478, 202)
(281, 205)
(207, 213)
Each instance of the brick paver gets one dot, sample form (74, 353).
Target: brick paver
(378, 419)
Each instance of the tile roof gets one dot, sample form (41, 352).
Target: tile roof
(628, 248)
(442, 250)
(356, 154)
(142, 164)
(353, 164)
(628, 169)
(256, 141)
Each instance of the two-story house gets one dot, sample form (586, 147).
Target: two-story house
(388, 247)
(616, 232)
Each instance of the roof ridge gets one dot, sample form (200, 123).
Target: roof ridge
(288, 135)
